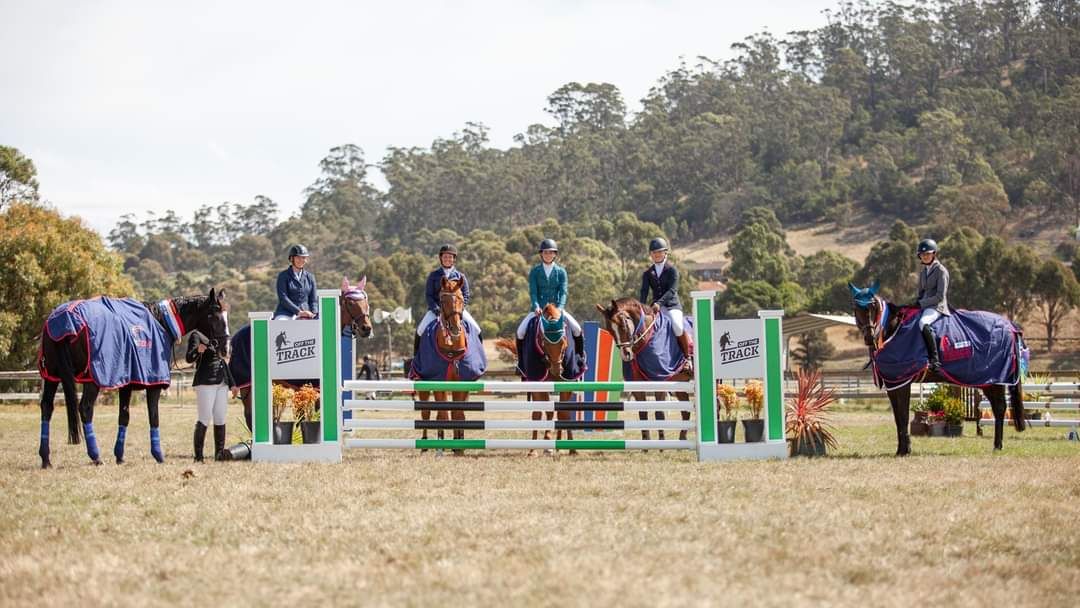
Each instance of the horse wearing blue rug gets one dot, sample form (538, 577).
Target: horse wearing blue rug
(977, 349)
(118, 344)
(650, 351)
(449, 350)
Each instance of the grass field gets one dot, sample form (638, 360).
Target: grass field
(952, 525)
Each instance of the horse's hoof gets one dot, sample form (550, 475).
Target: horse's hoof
(531, 454)
(119, 461)
(45, 464)
(96, 463)
(573, 452)
(549, 452)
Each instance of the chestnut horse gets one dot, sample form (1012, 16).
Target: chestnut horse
(632, 326)
(878, 320)
(451, 341)
(554, 342)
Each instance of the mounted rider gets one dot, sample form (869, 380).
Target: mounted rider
(296, 288)
(548, 285)
(661, 279)
(448, 270)
(932, 298)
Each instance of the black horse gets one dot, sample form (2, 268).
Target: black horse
(869, 310)
(62, 361)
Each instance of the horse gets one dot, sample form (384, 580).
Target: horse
(354, 311)
(879, 321)
(548, 338)
(67, 359)
(634, 327)
(451, 345)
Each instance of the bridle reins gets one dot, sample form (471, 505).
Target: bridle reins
(635, 335)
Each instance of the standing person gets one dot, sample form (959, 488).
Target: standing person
(661, 279)
(369, 371)
(548, 284)
(213, 382)
(447, 269)
(932, 298)
(296, 288)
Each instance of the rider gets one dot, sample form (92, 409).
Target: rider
(662, 279)
(933, 288)
(447, 258)
(547, 285)
(296, 288)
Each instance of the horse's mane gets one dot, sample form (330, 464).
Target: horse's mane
(183, 305)
(630, 305)
(551, 312)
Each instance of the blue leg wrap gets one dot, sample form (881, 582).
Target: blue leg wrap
(155, 445)
(91, 441)
(118, 449)
(43, 448)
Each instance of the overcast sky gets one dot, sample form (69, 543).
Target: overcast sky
(131, 106)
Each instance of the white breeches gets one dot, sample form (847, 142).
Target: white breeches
(676, 316)
(213, 402)
(929, 315)
(429, 318)
(575, 327)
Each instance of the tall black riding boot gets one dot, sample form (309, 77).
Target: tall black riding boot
(219, 441)
(931, 348)
(579, 345)
(200, 440)
(415, 345)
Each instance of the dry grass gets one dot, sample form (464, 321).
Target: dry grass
(954, 525)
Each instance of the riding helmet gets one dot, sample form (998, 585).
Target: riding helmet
(299, 250)
(548, 245)
(448, 248)
(658, 244)
(927, 246)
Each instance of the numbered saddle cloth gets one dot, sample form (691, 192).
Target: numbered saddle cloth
(430, 364)
(536, 366)
(977, 348)
(657, 356)
(125, 343)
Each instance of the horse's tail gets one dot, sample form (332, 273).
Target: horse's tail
(506, 345)
(64, 369)
(1016, 402)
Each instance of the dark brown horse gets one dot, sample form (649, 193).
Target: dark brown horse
(451, 341)
(554, 345)
(65, 362)
(878, 320)
(632, 324)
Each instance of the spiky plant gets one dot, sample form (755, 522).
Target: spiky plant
(808, 412)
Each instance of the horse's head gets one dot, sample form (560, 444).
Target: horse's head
(451, 305)
(355, 308)
(553, 339)
(868, 308)
(212, 320)
(624, 319)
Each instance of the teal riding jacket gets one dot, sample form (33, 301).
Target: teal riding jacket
(544, 290)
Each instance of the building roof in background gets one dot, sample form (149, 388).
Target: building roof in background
(806, 322)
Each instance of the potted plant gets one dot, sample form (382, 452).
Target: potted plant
(919, 426)
(754, 426)
(304, 412)
(935, 405)
(954, 417)
(283, 429)
(727, 409)
(808, 428)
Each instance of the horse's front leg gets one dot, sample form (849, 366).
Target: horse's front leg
(900, 399)
(48, 394)
(153, 397)
(659, 397)
(459, 415)
(565, 415)
(642, 415)
(997, 404)
(86, 412)
(122, 418)
(425, 414)
(536, 415)
(443, 415)
(685, 413)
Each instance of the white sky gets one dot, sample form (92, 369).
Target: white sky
(131, 106)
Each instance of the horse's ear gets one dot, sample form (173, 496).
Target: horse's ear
(854, 290)
(602, 310)
(362, 284)
(614, 306)
(874, 287)
(221, 296)
(344, 284)
(212, 297)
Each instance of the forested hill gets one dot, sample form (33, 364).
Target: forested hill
(943, 114)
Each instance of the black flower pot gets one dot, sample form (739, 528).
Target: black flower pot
(920, 417)
(725, 431)
(809, 446)
(240, 451)
(937, 429)
(283, 433)
(954, 430)
(753, 430)
(919, 429)
(310, 431)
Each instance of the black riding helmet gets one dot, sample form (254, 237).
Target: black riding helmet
(926, 246)
(298, 250)
(448, 248)
(658, 244)
(548, 245)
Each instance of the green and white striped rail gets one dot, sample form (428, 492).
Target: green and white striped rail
(707, 365)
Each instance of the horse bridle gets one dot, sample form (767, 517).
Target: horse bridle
(356, 320)
(635, 334)
(455, 298)
(877, 314)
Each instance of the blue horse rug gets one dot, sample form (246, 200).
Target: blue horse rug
(658, 356)
(240, 356)
(977, 349)
(533, 361)
(430, 364)
(125, 343)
